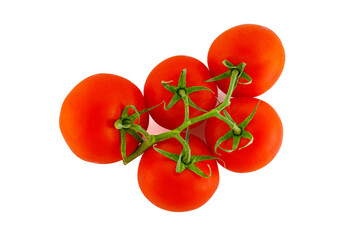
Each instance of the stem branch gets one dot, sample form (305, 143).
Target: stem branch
(150, 140)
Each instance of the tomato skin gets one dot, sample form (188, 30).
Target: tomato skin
(259, 47)
(89, 112)
(266, 128)
(173, 191)
(169, 70)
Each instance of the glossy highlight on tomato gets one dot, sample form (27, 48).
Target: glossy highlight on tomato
(266, 128)
(89, 112)
(173, 191)
(169, 70)
(259, 47)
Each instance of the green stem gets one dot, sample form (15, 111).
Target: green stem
(175, 133)
(140, 150)
(186, 148)
(231, 124)
(151, 140)
(234, 79)
(139, 129)
(216, 111)
(185, 98)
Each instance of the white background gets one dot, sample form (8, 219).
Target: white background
(309, 191)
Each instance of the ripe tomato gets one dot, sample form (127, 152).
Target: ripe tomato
(265, 126)
(173, 191)
(88, 114)
(259, 47)
(169, 70)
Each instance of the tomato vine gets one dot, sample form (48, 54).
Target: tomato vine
(127, 123)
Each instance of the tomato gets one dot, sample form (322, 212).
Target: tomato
(259, 47)
(88, 114)
(169, 70)
(265, 126)
(173, 191)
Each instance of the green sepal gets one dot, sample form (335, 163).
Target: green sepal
(125, 113)
(182, 79)
(169, 87)
(220, 77)
(245, 76)
(228, 64)
(192, 104)
(222, 139)
(134, 116)
(195, 169)
(173, 90)
(187, 90)
(244, 123)
(172, 156)
(199, 158)
(228, 73)
(119, 124)
(248, 135)
(237, 137)
(174, 100)
(236, 141)
(190, 90)
(124, 122)
(180, 166)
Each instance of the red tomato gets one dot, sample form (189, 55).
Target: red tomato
(89, 112)
(169, 70)
(173, 191)
(259, 47)
(265, 126)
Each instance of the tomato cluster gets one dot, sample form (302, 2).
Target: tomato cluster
(104, 118)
